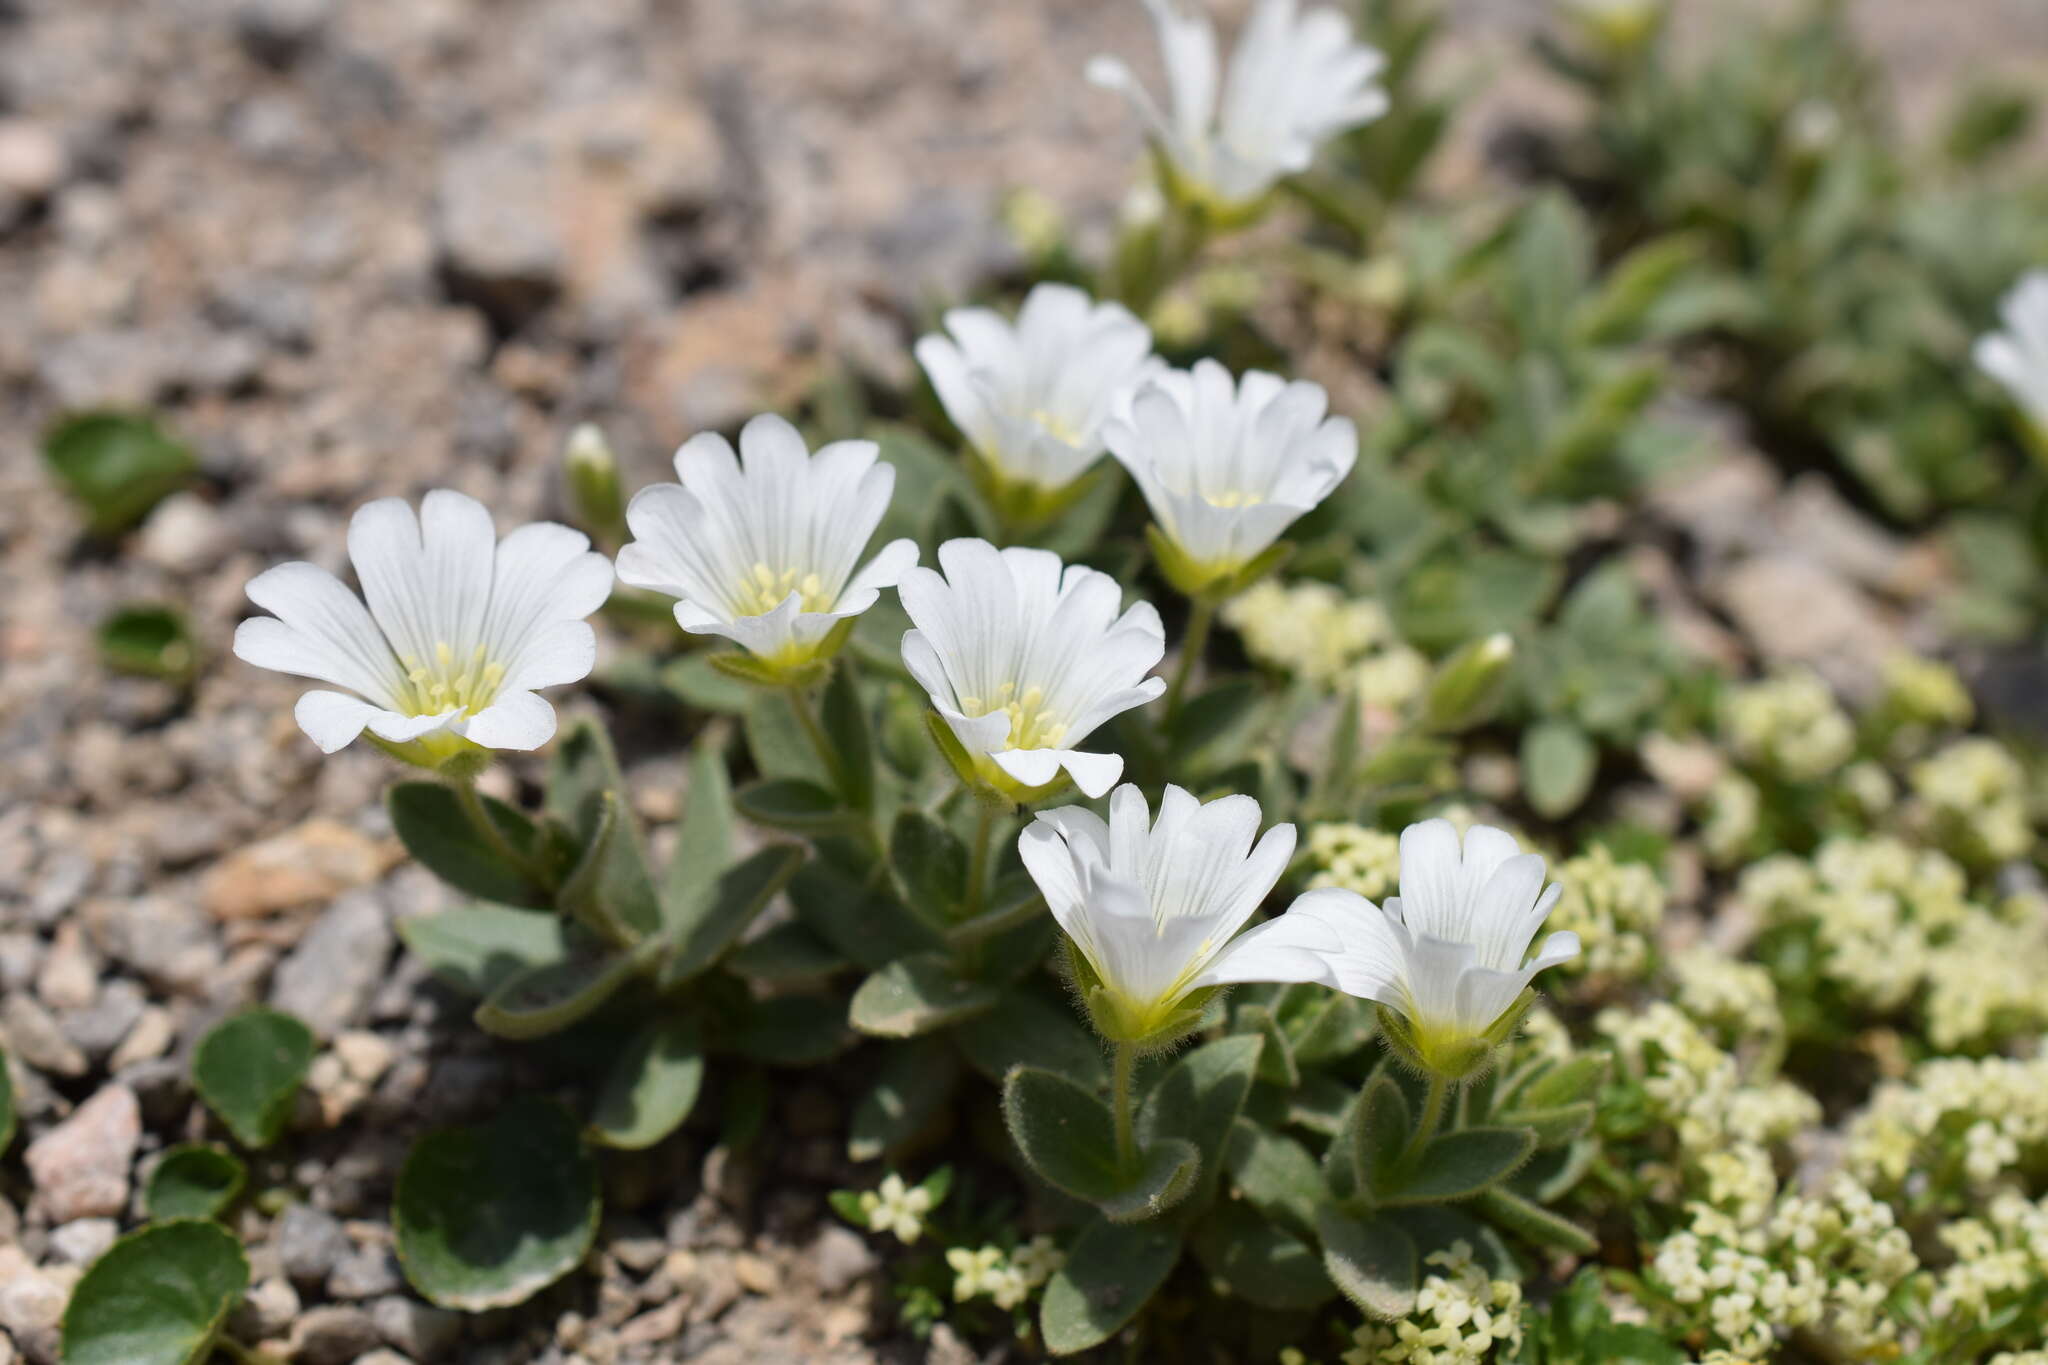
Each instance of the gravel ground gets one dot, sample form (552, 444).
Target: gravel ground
(351, 249)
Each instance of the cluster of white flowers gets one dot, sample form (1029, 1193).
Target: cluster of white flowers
(1356, 858)
(1998, 1257)
(1733, 804)
(1974, 793)
(1791, 726)
(1926, 692)
(1462, 1316)
(1615, 908)
(1990, 981)
(896, 1207)
(1308, 629)
(1738, 999)
(1922, 1124)
(1753, 1267)
(1008, 1278)
(1698, 1088)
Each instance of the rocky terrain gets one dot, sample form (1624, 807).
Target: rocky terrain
(352, 249)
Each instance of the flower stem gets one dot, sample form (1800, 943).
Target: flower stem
(807, 720)
(1191, 646)
(479, 816)
(1126, 1140)
(1432, 1115)
(978, 860)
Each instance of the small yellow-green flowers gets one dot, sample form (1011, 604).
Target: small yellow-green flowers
(1975, 798)
(1308, 629)
(1461, 1316)
(897, 1208)
(1007, 1279)
(1366, 861)
(1790, 726)
(1614, 907)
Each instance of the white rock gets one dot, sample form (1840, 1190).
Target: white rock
(80, 1167)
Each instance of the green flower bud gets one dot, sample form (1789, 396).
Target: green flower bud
(1469, 685)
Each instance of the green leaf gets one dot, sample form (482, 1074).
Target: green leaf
(478, 948)
(741, 894)
(193, 1181)
(1276, 1058)
(150, 641)
(584, 783)
(157, 1297)
(777, 740)
(703, 838)
(845, 719)
(1458, 1165)
(1066, 1134)
(1379, 1132)
(549, 998)
(858, 917)
(791, 1030)
(1167, 1171)
(793, 804)
(1323, 1025)
(1198, 1099)
(489, 1215)
(1530, 1220)
(1112, 1270)
(1210, 728)
(117, 465)
(699, 683)
(1553, 1127)
(1553, 257)
(913, 1087)
(789, 951)
(1372, 1260)
(1260, 1261)
(248, 1070)
(430, 822)
(1024, 1028)
(1275, 1175)
(1579, 1078)
(1558, 762)
(914, 995)
(653, 1085)
(1628, 1344)
(931, 862)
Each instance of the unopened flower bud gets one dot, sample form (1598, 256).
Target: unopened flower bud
(1468, 687)
(594, 497)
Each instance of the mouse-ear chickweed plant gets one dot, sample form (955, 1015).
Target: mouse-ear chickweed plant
(975, 809)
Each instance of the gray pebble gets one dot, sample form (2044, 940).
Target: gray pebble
(329, 978)
(422, 1331)
(310, 1243)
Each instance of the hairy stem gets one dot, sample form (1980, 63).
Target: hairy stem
(1432, 1116)
(1126, 1139)
(978, 860)
(479, 816)
(807, 720)
(1191, 646)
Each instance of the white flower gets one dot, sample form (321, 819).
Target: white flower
(1228, 467)
(1154, 909)
(1032, 396)
(1294, 80)
(897, 1207)
(1024, 658)
(2018, 356)
(460, 628)
(1446, 954)
(761, 549)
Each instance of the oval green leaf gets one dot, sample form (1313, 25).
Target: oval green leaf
(157, 1297)
(653, 1085)
(193, 1181)
(248, 1070)
(488, 1216)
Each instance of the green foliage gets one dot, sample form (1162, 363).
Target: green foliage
(193, 1181)
(652, 1086)
(157, 1297)
(118, 466)
(487, 1216)
(150, 641)
(248, 1069)
(1112, 1269)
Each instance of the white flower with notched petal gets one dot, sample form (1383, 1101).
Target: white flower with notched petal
(1032, 397)
(1295, 80)
(1154, 909)
(1446, 955)
(1228, 467)
(1024, 658)
(460, 629)
(2018, 356)
(761, 548)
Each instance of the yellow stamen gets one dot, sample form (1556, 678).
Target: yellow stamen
(446, 684)
(763, 589)
(1056, 427)
(1031, 727)
(1233, 497)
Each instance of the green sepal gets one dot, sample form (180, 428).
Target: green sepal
(1211, 582)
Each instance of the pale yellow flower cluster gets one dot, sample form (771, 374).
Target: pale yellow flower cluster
(1910, 1125)
(1696, 1087)
(1973, 796)
(1460, 1317)
(1737, 999)
(1008, 1279)
(1790, 725)
(896, 1207)
(1926, 692)
(1999, 1256)
(1356, 858)
(1614, 907)
(1309, 629)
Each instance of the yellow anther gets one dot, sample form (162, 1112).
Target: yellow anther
(1030, 726)
(763, 589)
(1056, 427)
(467, 686)
(1233, 497)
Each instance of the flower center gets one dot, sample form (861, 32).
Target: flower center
(1233, 497)
(1031, 725)
(763, 589)
(446, 683)
(1055, 426)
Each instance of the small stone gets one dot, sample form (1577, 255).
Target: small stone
(305, 865)
(756, 1274)
(382, 1356)
(34, 1037)
(31, 1303)
(309, 1242)
(69, 977)
(365, 1274)
(278, 31)
(267, 1310)
(496, 226)
(422, 1331)
(946, 1348)
(657, 1324)
(33, 162)
(364, 1056)
(99, 1028)
(185, 534)
(65, 877)
(149, 1039)
(329, 978)
(332, 1335)
(81, 1240)
(80, 1167)
(839, 1256)
(170, 942)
